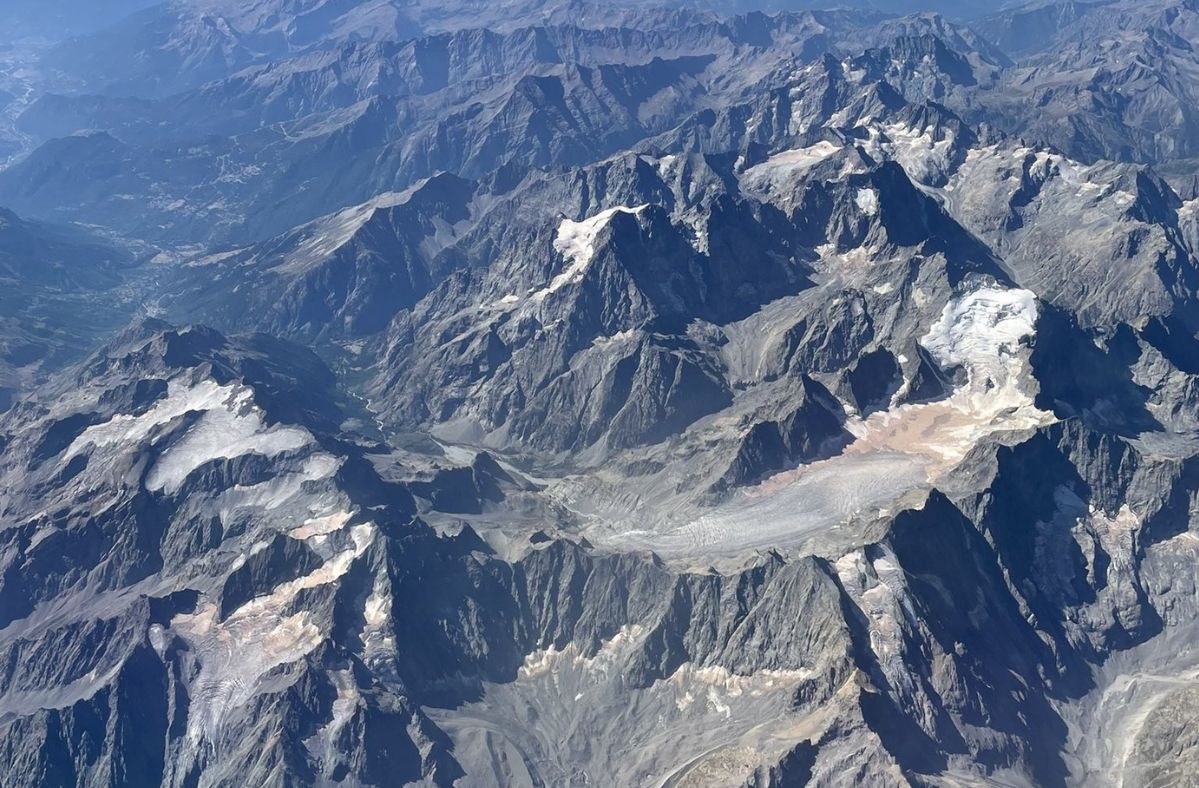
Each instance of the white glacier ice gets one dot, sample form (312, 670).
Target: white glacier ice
(228, 425)
(982, 332)
(782, 169)
(867, 200)
(233, 429)
(181, 398)
(575, 241)
(235, 654)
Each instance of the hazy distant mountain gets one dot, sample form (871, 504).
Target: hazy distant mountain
(332, 129)
(58, 297)
(1106, 80)
(181, 44)
(56, 20)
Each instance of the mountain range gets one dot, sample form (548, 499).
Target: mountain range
(555, 393)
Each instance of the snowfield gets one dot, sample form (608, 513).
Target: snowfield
(575, 241)
(228, 424)
(781, 170)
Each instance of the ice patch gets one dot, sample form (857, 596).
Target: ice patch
(280, 490)
(924, 159)
(317, 527)
(867, 200)
(719, 686)
(377, 636)
(229, 425)
(802, 158)
(576, 242)
(320, 466)
(233, 429)
(617, 338)
(234, 655)
(983, 332)
(735, 685)
(124, 429)
(878, 589)
(550, 660)
(344, 705)
(783, 169)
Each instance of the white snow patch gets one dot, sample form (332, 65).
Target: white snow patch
(550, 660)
(617, 338)
(879, 590)
(317, 527)
(784, 169)
(668, 166)
(378, 635)
(718, 685)
(736, 684)
(273, 494)
(576, 242)
(128, 430)
(232, 429)
(983, 332)
(924, 159)
(867, 200)
(344, 705)
(1122, 198)
(229, 425)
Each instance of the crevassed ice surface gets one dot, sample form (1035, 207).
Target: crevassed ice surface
(237, 652)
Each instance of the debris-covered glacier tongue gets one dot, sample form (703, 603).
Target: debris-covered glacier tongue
(984, 335)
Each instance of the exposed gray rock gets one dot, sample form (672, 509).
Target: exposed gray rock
(793, 399)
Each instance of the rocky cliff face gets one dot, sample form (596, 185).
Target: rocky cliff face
(681, 400)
